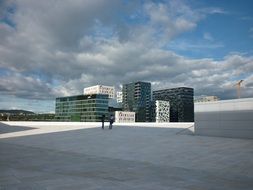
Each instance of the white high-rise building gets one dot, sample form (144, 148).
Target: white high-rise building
(100, 89)
(162, 111)
(119, 97)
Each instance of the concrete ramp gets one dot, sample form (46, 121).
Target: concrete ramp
(228, 118)
(136, 156)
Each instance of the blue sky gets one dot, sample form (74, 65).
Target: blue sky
(219, 34)
(56, 48)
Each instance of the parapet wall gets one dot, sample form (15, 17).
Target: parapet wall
(227, 118)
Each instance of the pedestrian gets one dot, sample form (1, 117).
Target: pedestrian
(103, 121)
(111, 121)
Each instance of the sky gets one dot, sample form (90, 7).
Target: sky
(55, 48)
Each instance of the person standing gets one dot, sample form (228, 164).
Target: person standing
(111, 121)
(103, 121)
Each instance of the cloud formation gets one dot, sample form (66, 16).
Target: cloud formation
(56, 48)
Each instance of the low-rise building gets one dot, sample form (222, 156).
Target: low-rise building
(124, 117)
(86, 108)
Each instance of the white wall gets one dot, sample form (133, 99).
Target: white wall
(100, 89)
(227, 118)
(124, 117)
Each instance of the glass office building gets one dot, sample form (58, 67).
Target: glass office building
(86, 108)
(136, 98)
(181, 103)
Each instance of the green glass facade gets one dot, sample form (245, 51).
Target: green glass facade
(137, 98)
(86, 108)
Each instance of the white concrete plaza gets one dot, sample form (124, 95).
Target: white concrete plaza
(130, 156)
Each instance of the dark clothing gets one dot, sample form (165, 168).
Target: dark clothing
(103, 121)
(111, 122)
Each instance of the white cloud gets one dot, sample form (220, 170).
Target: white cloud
(213, 10)
(194, 45)
(59, 47)
(171, 19)
(208, 36)
(22, 86)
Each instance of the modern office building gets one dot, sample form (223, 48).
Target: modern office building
(86, 108)
(137, 98)
(181, 103)
(100, 89)
(113, 106)
(119, 97)
(162, 111)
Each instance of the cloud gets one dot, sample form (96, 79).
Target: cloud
(166, 69)
(171, 19)
(57, 48)
(5, 8)
(208, 36)
(25, 87)
(184, 45)
(213, 10)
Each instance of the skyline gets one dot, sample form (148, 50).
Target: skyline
(52, 48)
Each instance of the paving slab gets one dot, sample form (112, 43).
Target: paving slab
(125, 157)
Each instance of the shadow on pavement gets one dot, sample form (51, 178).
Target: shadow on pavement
(4, 128)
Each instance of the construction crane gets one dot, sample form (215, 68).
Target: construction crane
(238, 87)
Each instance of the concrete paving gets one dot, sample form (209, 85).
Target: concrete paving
(83, 156)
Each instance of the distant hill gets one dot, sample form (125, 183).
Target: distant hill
(16, 112)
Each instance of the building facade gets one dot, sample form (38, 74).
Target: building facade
(162, 111)
(86, 108)
(100, 89)
(124, 117)
(137, 98)
(119, 97)
(181, 103)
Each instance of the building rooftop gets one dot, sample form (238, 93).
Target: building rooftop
(175, 88)
(130, 156)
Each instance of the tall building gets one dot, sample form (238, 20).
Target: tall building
(181, 103)
(87, 108)
(137, 98)
(100, 89)
(162, 111)
(119, 97)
